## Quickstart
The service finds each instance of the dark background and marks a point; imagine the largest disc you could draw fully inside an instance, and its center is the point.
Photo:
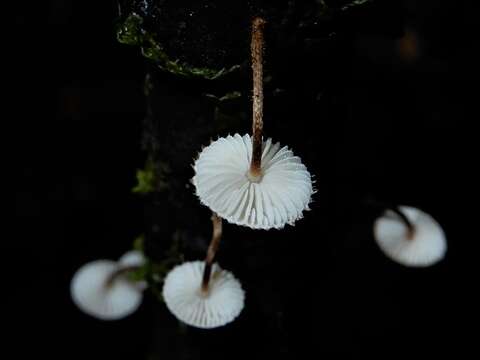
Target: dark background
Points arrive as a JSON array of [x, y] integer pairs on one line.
[[385, 124]]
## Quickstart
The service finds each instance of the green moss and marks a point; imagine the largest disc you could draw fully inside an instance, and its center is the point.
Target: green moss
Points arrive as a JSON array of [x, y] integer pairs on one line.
[[145, 179], [154, 272], [154, 177], [131, 32], [138, 243], [139, 274], [354, 3]]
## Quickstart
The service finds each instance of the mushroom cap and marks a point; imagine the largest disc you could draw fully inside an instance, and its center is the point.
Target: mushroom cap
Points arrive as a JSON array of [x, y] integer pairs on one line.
[[132, 258], [427, 246], [184, 297], [90, 291], [277, 198]]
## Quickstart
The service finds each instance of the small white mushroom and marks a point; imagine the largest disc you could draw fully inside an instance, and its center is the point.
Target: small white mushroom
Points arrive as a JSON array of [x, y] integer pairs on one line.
[[220, 304], [423, 244], [103, 290], [132, 258], [224, 183]]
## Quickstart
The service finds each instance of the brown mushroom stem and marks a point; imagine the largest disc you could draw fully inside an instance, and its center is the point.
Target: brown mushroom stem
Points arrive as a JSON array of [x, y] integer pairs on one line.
[[120, 272], [257, 67], [406, 221], [212, 251]]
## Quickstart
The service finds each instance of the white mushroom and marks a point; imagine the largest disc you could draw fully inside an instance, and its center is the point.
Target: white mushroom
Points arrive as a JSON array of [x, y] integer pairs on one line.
[[132, 258], [220, 304], [103, 290], [248, 181], [423, 244], [223, 183]]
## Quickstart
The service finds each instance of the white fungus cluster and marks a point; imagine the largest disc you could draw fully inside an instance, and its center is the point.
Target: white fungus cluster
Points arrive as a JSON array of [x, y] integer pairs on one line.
[[425, 247], [97, 294], [223, 183], [219, 305]]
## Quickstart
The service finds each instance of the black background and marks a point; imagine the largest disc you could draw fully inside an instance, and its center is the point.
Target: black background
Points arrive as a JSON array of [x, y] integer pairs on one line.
[[388, 129]]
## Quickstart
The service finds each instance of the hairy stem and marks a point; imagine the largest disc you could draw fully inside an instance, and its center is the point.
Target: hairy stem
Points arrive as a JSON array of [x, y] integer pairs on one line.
[[212, 250], [257, 43], [406, 221]]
